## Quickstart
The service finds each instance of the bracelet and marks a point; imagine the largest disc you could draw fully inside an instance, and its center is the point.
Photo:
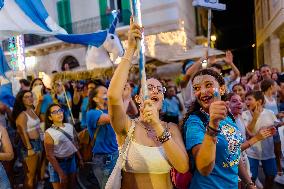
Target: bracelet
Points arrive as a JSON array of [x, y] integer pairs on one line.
[[249, 184], [213, 129], [164, 137], [211, 132]]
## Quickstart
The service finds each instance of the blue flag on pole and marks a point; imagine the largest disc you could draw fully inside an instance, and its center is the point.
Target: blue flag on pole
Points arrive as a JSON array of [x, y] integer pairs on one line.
[[3, 64], [6, 92]]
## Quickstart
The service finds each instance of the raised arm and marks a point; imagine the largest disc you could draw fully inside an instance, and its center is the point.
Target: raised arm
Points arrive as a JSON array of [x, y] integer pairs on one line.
[[229, 60], [251, 125], [205, 153], [118, 117], [190, 72]]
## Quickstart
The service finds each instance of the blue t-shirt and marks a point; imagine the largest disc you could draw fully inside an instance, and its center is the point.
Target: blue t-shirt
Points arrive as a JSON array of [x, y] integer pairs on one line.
[[171, 107], [225, 172], [106, 138], [47, 101], [84, 108]]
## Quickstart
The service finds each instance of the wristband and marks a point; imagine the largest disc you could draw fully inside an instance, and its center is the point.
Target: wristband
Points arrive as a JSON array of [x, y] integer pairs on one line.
[[211, 132], [164, 137], [213, 129]]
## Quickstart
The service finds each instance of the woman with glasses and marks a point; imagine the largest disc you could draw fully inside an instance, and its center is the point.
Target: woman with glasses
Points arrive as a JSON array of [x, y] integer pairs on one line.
[[60, 142], [105, 149], [155, 146], [28, 126]]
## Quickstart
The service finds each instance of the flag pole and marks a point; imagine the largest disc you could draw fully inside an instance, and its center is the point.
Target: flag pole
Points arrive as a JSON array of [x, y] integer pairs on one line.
[[209, 33], [136, 13]]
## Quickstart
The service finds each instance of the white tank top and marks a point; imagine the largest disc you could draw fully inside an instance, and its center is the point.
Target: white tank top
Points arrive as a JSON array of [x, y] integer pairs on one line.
[[32, 124], [146, 159], [63, 147]]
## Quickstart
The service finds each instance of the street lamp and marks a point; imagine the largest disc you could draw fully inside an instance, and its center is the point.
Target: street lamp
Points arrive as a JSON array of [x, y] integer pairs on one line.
[[213, 39]]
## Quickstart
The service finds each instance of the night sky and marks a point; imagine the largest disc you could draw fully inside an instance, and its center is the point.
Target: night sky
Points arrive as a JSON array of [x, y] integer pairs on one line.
[[235, 31]]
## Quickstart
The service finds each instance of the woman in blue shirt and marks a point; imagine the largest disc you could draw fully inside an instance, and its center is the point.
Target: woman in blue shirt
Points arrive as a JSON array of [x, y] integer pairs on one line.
[[212, 138], [105, 150]]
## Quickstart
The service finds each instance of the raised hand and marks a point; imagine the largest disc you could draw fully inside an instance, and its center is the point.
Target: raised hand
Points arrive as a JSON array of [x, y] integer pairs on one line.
[[218, 111], [134, 34], [150, 113], [257, 111], [265, 133], [229, 57]]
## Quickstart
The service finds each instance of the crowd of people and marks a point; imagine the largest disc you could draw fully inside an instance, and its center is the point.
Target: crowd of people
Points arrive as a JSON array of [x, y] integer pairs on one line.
[[206, 131]]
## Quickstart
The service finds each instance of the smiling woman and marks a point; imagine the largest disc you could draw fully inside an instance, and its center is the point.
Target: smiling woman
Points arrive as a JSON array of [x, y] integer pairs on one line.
[[207, 122]]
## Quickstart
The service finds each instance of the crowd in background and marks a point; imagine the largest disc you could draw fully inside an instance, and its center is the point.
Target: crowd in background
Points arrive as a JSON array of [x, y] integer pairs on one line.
[[44, 131]]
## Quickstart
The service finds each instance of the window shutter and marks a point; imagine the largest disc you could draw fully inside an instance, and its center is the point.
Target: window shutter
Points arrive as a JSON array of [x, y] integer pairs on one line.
[[104, 18], [64, 15]]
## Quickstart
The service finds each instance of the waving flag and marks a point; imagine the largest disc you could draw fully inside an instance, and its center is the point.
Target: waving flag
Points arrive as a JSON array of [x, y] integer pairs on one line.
[[30, 17], [3, 63], [6, 93]]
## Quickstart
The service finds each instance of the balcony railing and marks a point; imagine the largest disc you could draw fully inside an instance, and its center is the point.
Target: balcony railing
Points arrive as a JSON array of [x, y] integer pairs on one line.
[[83, 26]]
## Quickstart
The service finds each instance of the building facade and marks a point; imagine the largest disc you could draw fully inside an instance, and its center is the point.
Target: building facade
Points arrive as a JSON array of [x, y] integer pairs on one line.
[[269, 25], [170, 27]]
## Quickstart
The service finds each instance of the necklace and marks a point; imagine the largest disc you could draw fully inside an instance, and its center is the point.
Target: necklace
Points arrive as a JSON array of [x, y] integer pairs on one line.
[[150, 132]]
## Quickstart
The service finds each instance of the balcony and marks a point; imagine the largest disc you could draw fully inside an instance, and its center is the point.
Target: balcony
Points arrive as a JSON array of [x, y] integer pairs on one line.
[[83, 26]]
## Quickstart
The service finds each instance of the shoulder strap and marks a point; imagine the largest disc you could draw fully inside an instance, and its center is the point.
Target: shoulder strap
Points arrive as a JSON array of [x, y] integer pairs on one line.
[[93, 141], [127, 142], [64, 133]]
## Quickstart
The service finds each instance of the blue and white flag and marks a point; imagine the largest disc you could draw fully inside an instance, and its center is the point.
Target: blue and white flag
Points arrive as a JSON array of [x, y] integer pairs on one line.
[[30, 17], [6, 93], [4, 67]]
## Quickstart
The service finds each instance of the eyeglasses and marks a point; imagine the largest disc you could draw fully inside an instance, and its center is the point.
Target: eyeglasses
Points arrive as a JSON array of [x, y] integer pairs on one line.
[[59, 111], [160, 89]]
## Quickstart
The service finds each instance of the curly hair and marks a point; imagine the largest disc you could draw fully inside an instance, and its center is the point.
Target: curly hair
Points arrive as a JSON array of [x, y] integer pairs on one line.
[[195, 106], [19, 106]]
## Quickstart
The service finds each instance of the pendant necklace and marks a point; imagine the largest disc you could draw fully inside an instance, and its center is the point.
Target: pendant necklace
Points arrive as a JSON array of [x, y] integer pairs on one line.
[[150, 132]]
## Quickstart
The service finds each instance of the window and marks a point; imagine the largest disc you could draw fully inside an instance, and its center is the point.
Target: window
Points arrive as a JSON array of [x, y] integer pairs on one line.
[[106, 6], [71, 61]]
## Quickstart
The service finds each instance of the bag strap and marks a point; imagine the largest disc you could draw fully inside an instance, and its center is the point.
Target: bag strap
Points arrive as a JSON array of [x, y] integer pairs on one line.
[[93, 141], [127, 142], [64, 133]]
